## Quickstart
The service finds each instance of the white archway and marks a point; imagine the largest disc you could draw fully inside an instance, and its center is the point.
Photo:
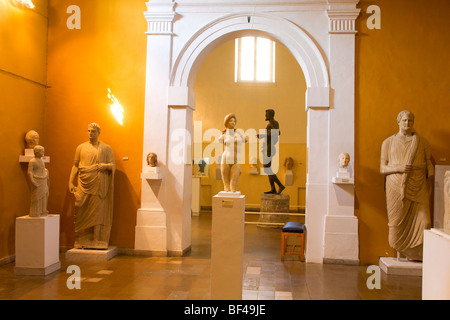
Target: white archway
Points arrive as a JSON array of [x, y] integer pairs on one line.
[[164, 219]]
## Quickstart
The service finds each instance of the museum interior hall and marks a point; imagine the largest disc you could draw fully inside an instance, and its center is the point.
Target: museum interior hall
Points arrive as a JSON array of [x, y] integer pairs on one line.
[[224, 150]]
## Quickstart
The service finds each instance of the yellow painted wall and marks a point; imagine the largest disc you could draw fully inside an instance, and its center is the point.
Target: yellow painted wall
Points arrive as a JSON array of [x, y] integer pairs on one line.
[[218, 95], [23, 53]]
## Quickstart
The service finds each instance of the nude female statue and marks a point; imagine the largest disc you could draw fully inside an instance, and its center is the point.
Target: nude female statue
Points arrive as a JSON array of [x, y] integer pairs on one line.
[[232, 140]]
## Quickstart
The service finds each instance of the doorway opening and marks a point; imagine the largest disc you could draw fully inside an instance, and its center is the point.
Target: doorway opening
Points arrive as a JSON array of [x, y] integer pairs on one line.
[[218, 93]]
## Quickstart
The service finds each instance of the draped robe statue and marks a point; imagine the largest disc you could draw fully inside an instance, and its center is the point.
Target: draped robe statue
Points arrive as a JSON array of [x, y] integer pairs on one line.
[[94, 166], [447, 201], [405, 160]]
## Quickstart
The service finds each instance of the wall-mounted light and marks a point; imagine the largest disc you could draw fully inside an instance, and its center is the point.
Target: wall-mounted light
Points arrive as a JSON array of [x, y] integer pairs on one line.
[[116, 107], [27, 3]]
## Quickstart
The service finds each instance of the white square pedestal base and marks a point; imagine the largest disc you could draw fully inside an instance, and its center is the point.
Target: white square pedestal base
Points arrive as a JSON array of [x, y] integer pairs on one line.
[[37, 245], [392, 266], [227, 246], [92, 254]]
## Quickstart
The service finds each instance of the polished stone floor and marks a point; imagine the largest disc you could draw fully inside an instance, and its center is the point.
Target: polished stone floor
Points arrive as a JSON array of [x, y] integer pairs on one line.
[[127, 277]]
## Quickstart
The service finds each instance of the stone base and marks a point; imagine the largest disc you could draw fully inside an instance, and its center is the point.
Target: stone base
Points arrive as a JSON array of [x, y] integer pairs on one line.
[[227, 247], [273, 204], [23, 271], [92, 254], [37, 245], [392, 266]]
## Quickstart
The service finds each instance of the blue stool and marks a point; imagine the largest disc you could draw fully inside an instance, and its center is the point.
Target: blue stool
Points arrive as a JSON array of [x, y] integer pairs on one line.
[[293, 229]]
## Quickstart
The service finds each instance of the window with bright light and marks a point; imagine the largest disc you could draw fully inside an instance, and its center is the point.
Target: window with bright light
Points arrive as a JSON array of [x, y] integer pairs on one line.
[[255, 60]]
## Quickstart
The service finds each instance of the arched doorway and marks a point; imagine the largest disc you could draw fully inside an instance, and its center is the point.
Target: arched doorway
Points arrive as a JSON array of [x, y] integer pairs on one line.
[[170, 102]]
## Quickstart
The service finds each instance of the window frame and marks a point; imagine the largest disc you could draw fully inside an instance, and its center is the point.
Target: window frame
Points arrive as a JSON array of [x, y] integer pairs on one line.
[[238, 62]]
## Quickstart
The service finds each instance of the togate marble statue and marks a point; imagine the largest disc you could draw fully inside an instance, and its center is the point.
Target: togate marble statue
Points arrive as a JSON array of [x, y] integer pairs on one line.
[[230, 167], [93, 169], [406, 163], [39, 182], [447, 201]]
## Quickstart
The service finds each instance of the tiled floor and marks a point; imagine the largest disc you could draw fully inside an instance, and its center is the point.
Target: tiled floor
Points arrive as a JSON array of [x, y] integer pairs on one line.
[[188, 278]]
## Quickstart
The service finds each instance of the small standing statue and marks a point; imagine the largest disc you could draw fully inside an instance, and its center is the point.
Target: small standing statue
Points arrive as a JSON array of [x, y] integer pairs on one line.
[[40, 183], [406, 163], [269, 151], [94, 168], [232, 139]]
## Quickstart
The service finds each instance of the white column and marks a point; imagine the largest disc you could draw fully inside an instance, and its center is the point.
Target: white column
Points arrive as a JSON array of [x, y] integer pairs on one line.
[[341, 243], [151, 228]]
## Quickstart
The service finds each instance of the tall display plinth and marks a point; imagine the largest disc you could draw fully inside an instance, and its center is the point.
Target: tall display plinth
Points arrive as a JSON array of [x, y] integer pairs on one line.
[[436, 265], [91, 254], [37, 245], [400, 267], [227, 246]]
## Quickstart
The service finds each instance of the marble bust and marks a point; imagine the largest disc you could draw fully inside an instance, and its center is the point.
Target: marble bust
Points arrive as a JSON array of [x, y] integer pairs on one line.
[[152, 159], [92, 184], [39, 184], [343, 171], [447, 201], [289, 163]]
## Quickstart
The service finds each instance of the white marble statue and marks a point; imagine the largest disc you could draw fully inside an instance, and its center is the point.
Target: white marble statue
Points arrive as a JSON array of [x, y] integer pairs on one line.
[[94, 169], [344, 160], [152, 159], [232, 139], [40, 183], [405, 161], [447, 201]]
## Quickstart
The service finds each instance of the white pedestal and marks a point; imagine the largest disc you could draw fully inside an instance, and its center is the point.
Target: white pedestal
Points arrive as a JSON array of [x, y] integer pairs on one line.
[[227, 246], [195, 196], [152, 175], [37, 245], [436, 265], [151, 233], [393, 266], [91, 254]]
